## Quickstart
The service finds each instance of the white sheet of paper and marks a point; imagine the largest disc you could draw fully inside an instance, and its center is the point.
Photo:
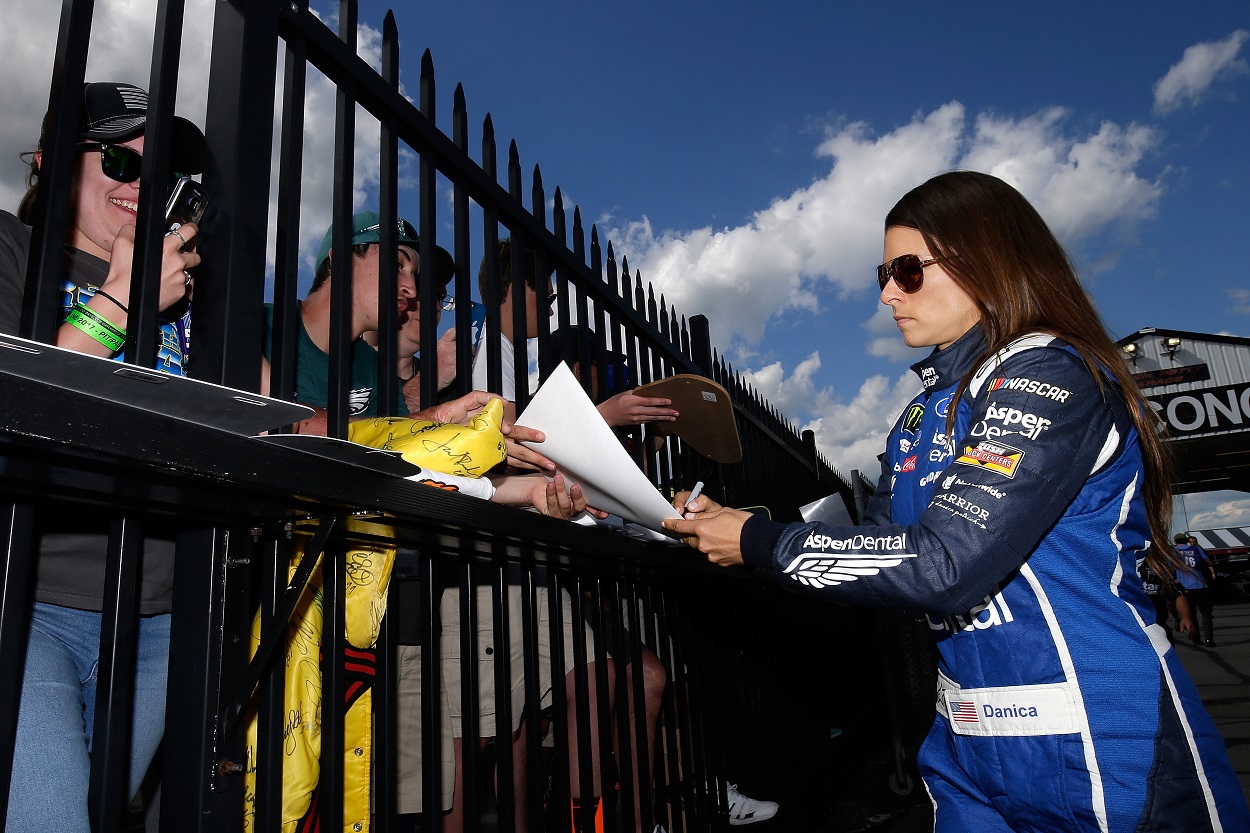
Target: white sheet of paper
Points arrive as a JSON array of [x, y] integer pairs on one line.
[[586, 451]]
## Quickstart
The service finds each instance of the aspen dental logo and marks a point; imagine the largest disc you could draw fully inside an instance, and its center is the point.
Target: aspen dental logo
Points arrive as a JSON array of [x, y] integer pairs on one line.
[[995, 457], [866, 555], [855, 543]]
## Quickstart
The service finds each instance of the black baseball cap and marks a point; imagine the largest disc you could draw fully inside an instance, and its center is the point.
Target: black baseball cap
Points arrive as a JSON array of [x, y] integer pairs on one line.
[[117, 112]]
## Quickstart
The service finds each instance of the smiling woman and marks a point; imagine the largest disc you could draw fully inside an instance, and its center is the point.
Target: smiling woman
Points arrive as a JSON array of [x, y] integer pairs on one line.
[[48, 790], [1018, 493]]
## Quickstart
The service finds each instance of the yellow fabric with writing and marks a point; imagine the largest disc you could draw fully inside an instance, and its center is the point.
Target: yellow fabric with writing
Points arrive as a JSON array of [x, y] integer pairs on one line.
[[452, 449], [469, 451]]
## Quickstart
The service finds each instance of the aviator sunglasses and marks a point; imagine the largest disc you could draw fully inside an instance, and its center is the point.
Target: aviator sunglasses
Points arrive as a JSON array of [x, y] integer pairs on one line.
[[906, 270], [118, 163]]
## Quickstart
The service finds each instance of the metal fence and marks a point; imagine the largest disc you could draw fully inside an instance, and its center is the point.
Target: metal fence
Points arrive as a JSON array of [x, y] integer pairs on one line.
[[249, 519]]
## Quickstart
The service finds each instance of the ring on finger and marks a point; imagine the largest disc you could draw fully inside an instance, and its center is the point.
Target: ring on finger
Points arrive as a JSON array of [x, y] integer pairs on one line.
[[186, 275], [175, 233]]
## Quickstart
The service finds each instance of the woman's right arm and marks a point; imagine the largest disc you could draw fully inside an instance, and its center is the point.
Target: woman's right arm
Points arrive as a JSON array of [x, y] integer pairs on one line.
[[175, 286]]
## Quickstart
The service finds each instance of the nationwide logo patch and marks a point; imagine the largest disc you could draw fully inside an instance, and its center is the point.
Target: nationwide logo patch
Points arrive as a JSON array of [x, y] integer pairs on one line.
[[996, 457]]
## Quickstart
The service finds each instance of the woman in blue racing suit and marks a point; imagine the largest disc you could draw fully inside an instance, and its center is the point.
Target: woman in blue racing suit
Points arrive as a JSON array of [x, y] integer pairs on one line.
[[1019, 492]]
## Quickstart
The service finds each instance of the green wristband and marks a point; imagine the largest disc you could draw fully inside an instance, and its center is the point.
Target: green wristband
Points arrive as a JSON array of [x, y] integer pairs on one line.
[[92, 315], [91, 328]]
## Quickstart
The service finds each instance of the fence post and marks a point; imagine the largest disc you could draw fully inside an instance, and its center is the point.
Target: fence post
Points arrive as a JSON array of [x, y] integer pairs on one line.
[[194, 796], [701, 343], [238, 129]]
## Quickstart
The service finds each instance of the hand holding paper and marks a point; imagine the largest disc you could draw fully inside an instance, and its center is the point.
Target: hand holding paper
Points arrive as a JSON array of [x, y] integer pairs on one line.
[[585, 449]]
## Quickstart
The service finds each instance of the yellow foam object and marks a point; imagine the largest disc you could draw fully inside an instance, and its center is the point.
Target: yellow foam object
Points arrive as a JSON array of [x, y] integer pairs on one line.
[[466, 450]]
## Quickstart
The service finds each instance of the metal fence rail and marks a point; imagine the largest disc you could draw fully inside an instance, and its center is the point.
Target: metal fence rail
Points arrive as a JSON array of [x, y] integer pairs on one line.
[[250, 517]]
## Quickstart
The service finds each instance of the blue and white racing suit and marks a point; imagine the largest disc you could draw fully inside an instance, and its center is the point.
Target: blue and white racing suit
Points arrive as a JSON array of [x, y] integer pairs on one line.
[[1061, 705]]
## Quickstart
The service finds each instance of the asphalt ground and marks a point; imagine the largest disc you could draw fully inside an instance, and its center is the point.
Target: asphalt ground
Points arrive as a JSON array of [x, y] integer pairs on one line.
[[1222, 674]]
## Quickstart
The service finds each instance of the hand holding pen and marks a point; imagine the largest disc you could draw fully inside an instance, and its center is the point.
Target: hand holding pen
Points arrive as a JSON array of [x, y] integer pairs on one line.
[[708, 527], [693, 504]]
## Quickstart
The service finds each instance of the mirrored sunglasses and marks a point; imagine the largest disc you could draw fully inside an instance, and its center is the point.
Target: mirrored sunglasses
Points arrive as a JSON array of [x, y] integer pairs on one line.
[[905, 270], [120, 164]]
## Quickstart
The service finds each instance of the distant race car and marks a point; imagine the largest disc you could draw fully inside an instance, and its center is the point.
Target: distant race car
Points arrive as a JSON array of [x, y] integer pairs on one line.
[[1234, 582], [1239, 583]]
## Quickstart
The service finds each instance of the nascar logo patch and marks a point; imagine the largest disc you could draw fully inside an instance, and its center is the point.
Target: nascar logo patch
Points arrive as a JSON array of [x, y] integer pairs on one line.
[[998, 458]]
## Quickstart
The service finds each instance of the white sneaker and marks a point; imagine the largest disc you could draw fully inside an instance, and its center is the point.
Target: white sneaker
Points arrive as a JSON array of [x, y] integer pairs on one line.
[[744, 810]]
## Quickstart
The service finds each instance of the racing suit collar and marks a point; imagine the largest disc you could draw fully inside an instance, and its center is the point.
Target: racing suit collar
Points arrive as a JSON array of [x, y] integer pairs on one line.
[[943, 368]]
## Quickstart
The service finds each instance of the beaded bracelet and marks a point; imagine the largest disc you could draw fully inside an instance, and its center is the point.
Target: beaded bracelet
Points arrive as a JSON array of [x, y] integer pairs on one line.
[[92, 315], [116, 302], [93, 329]]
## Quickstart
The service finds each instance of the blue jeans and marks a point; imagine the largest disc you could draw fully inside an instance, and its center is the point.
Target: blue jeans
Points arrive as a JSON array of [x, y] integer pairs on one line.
[[52, 754]]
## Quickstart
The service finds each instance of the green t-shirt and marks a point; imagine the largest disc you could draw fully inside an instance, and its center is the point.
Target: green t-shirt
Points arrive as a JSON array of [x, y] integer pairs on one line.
[[312, 372]]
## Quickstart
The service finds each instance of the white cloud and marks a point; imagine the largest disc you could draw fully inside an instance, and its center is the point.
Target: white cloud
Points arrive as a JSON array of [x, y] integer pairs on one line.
[[1241, 300], [849, 434], [1080, 185], [813, 246], [1188, 80], [802, 245], [1211, 510]]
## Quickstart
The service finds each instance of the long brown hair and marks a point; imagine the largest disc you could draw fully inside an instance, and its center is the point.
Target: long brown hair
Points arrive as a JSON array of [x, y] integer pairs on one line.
[[26, 208], [999, 250]]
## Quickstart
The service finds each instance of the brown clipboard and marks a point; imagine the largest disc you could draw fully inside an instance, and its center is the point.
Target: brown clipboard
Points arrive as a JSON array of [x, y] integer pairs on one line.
[[707, 421]]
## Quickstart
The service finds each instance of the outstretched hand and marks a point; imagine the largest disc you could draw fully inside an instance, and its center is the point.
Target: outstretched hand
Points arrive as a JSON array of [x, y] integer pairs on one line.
[[521, 456], [553, 497], [558, 500], [631, 409], [459, 411]]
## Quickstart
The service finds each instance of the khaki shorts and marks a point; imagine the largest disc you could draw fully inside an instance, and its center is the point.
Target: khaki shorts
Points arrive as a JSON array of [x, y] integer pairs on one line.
[[450, 646], [409, 707]]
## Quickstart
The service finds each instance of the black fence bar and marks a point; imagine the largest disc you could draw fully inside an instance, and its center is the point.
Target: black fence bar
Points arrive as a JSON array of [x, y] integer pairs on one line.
[[272, 570], [194, 796], [114, 704], [16, 532], [229, 289]]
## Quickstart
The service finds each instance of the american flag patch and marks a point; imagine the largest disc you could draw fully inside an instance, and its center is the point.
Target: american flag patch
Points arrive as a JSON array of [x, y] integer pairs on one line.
[[964, 712]]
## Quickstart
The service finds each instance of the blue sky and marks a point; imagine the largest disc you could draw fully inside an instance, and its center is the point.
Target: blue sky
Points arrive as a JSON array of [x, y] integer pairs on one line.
[[743, 154]]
